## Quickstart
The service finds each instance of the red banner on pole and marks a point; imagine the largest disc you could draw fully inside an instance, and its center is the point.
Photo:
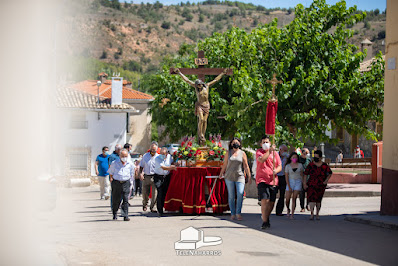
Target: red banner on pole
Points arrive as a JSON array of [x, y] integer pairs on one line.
[[270, 118]]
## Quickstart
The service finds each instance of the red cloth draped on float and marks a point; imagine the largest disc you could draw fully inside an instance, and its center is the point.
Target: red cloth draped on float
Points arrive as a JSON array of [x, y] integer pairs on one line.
[[186, 190], [270, 118]]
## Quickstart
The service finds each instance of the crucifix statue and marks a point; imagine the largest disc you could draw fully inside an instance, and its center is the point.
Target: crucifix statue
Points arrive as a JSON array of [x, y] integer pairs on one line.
[[202, 105]]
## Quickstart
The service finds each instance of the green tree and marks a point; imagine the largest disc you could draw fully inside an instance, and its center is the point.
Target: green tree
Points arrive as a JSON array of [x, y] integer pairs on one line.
[[312, 56]]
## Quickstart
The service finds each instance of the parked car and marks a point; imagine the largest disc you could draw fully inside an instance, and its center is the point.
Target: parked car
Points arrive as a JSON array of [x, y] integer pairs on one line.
[[135, 157], [171, 148]]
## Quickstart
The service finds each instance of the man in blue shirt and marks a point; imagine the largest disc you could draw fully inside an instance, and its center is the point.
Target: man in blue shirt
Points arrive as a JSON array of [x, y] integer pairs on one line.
[[101, 170], [115, 155], [120, 172]]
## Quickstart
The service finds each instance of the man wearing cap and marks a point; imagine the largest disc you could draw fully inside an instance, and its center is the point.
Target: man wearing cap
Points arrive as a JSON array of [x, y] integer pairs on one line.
[[120, 173], [147, 174]]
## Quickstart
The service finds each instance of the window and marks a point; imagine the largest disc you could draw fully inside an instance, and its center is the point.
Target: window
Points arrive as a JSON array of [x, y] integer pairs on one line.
[[78, 121], [78, 161]]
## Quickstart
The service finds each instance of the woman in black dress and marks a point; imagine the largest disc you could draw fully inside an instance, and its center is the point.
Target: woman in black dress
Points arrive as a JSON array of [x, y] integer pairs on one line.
[[319, 174]]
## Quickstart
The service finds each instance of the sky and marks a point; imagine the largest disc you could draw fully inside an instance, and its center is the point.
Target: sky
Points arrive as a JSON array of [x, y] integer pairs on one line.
[[361, 4]]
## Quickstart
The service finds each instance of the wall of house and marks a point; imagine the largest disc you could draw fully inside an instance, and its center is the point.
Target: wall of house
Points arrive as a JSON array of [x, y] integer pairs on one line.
[[108, 130], [389, 195], [139, 134]]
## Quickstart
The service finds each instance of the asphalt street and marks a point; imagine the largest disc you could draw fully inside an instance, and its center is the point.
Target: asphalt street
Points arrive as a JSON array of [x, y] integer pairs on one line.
[[80, 231]]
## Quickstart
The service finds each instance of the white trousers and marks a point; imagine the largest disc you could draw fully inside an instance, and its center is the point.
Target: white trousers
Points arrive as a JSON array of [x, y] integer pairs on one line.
[[104, 184]]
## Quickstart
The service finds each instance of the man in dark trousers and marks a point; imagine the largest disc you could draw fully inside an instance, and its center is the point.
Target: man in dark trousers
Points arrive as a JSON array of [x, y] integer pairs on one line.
[[120, 172], [163, 166], [283, 154]]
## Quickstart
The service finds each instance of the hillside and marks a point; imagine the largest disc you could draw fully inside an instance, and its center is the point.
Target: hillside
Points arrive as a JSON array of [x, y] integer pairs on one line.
[[137, 36]]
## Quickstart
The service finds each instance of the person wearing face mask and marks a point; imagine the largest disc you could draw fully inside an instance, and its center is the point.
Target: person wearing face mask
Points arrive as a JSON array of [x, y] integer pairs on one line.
[[294, 182], [268, 165], [147, 174], [358, 153], [305, 161], [235, 176], [120, 173], [283, 154], [319, 174], [163, 166], [129, 147], [101, 170]]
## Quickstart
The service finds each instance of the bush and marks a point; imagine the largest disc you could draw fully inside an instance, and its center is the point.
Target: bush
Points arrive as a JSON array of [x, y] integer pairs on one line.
[[104, 55], [166, 25], [381, 35], [201, 18], [132, 66]]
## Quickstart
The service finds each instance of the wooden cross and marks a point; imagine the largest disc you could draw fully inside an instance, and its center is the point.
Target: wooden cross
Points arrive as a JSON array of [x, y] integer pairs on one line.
[[201, 71], [273, 82]]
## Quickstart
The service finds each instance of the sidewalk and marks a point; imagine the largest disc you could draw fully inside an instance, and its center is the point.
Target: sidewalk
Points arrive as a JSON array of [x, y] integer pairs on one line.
[[353, 190], [389, 222]]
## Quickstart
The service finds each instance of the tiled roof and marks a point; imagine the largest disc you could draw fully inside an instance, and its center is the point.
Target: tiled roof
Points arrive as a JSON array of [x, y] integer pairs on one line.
[[366, 65], [105, 90], [72, 98]]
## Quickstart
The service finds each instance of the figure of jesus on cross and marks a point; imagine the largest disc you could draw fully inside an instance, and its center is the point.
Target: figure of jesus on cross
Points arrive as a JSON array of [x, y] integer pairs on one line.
[[202, 106]]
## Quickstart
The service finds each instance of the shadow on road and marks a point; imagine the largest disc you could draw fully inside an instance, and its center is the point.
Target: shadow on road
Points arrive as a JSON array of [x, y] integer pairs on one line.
[[330, 233]]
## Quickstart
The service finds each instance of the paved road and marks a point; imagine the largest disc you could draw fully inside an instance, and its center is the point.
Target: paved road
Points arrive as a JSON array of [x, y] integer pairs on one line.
[[81, 232]]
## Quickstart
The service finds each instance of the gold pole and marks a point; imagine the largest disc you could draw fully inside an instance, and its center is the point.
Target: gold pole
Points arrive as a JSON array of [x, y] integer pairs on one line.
[[273, 161]]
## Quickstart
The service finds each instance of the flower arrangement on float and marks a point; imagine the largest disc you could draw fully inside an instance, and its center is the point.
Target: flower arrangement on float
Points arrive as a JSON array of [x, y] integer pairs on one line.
[[216, 152], [190, 154]]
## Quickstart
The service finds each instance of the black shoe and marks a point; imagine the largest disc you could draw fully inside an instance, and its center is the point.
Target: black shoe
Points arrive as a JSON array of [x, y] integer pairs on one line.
[[280, 214], [114, 217], [264, 225], [126, 219], [160, 214]]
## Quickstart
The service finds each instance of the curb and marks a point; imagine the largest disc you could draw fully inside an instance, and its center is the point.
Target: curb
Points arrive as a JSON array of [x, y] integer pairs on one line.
[[352, 193], [371, 222]]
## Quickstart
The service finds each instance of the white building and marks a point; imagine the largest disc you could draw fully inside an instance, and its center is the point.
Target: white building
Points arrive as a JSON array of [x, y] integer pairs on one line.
[[86, 123], [139, 123]]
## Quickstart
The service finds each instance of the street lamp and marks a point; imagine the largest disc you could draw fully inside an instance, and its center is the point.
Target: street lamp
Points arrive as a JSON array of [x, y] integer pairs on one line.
[[98, 85]]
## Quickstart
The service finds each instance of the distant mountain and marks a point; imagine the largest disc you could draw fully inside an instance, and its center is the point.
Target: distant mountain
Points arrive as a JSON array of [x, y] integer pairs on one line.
[[137, 36]]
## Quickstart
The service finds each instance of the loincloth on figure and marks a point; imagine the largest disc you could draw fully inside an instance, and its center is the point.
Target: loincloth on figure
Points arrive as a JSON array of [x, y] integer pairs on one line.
[[201, 107]]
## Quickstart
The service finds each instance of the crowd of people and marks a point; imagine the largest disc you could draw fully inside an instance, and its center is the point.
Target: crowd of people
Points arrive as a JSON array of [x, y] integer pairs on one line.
[[293, 175], [119, 177]]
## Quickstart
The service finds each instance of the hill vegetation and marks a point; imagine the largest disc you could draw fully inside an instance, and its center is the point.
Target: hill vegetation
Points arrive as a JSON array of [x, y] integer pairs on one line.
[[136, 37]]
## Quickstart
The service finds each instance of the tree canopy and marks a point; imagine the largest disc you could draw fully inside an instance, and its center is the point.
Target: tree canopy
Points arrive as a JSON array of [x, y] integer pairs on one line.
[[322, 85]]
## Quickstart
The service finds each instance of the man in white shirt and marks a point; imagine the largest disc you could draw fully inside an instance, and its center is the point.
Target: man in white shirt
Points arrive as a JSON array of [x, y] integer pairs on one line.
[[163, 166], [147, 173], [120, 172]]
